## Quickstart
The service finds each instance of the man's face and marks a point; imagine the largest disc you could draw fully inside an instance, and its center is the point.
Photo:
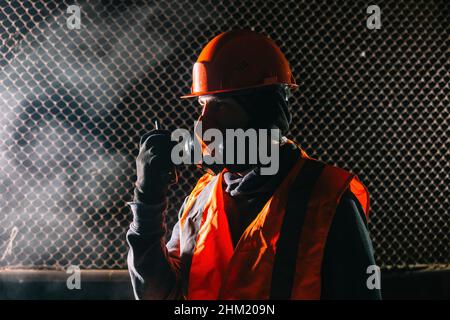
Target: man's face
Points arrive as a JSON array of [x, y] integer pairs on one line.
[[222, 113]]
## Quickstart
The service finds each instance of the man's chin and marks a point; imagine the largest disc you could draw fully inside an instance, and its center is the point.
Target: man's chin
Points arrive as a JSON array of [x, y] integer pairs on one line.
[[240, 168], [234, 168]]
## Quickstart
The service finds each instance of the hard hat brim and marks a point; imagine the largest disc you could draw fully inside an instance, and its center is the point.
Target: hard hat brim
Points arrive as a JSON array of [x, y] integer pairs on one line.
[[205, 93]]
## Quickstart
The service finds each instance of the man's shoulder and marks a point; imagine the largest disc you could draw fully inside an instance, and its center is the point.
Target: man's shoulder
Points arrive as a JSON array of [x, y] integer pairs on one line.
[[329, 178], [336, 183], [198, 196]]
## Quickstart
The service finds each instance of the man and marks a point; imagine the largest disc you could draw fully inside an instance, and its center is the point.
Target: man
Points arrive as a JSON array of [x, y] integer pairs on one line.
[[300, 233]]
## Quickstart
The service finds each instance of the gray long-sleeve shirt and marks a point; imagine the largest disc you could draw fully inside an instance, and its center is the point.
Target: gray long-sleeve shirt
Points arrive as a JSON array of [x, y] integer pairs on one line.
[[155, 266]]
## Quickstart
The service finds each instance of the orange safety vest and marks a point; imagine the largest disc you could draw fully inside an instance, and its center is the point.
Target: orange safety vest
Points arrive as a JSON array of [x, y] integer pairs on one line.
[[279, 255]]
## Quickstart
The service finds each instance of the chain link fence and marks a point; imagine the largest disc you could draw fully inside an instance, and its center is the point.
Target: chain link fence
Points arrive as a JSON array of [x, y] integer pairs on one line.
[[74, 103]]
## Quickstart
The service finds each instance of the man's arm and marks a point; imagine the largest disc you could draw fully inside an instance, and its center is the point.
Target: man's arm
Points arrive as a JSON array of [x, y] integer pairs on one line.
[[348, 253], [154, 267]]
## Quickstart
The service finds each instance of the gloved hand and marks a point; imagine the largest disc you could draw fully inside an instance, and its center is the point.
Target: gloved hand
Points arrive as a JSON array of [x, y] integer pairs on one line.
[[154, 167]]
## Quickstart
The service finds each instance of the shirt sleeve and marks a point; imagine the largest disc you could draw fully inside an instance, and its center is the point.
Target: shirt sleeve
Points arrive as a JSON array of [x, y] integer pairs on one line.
[[154, 266], [348, 254]]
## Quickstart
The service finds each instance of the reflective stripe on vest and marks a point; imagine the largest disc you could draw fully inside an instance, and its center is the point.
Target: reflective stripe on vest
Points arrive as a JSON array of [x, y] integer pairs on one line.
[[286, 258], [279, 255]]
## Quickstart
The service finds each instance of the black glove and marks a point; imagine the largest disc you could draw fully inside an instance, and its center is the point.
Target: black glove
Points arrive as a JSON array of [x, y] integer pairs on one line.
[[154, 167]]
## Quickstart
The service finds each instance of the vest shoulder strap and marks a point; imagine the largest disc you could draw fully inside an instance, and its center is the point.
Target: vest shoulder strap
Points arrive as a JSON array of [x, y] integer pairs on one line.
[[312, 202], [201, 184], [287, 245]]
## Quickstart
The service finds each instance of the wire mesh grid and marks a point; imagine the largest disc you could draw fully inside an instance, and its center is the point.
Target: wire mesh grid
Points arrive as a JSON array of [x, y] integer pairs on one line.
[[74, 104]]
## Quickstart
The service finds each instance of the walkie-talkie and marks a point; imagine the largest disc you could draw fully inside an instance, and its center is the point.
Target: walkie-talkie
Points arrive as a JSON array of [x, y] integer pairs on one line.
[[172, 174]]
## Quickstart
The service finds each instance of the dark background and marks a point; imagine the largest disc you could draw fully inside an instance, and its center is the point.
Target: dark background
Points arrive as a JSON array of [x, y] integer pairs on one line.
[[74, 103]]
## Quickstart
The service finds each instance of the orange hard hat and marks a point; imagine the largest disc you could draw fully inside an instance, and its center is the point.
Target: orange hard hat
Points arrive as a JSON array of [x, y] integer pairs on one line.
[[239, 59]]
